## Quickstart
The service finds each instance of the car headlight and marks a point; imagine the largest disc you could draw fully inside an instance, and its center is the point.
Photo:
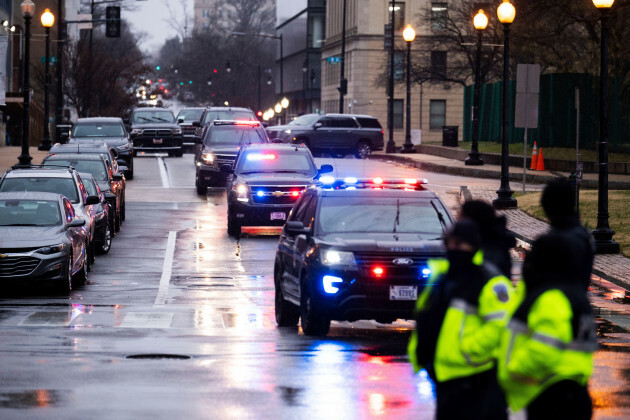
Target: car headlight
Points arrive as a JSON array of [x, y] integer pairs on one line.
[[208, 158], [53, 249], [123, 147], [177, 131], [332, 257], [136, 131], [241, 190]]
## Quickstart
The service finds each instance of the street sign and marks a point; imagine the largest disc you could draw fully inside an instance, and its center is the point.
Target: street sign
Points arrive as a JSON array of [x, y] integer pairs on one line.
[[333, 60], [51, 59]]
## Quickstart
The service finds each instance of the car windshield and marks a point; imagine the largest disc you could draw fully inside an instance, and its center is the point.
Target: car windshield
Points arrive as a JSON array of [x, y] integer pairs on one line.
[[65, 186], [305, 120], [382, 215], [98, 130], [143, 117], [29, 213], [190, 114], [235, 134], [229, 115], [274, 161], [90, 187], [95, 167]]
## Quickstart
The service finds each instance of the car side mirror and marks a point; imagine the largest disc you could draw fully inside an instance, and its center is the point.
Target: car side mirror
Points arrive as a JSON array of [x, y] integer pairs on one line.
[[226, 169], [180, 120], [76, 222], [317, 125], [296, 227], [325, 169], [92, 199]]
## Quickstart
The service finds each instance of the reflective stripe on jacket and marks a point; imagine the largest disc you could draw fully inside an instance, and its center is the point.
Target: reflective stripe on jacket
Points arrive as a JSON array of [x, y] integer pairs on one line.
[[550, 347]]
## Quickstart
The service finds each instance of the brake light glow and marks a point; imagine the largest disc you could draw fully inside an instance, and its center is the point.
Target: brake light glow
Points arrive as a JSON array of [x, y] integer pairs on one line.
[[261, 156], [378, 180], [252, 123], [378, 271]]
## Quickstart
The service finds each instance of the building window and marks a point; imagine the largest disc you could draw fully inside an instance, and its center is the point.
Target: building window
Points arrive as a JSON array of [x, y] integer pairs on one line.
[[437, 114], [203, 14], [399, 65], [439, 14], [399, 15], [398, 113], [438, 63]]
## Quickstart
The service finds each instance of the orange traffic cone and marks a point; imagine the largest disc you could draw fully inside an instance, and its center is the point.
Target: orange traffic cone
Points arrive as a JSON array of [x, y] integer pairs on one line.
[[534, 157], [540, 162]]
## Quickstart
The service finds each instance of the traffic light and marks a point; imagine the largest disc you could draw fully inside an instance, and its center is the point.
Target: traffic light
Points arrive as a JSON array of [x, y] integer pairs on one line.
[[112, 26], [157, 68]]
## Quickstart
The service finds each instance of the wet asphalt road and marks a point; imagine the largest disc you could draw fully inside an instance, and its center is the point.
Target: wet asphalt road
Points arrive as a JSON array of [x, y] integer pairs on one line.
[[178, 321]]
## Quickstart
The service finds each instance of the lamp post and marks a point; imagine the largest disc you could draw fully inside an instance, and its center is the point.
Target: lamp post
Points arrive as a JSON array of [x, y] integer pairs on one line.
[[391, 145], [304, 82], [48, 19], [28, 9], [408, 35], [504, 200], [284, 103], [604, 243], [480, 22], [59, 71]]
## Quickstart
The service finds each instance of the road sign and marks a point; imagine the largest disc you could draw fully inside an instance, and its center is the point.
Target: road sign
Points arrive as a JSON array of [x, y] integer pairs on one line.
[[51, 59], [333, 60], [527, 88]]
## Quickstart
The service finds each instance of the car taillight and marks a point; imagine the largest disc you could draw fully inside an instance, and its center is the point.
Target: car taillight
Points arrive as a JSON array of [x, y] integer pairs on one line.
[[378, 271]]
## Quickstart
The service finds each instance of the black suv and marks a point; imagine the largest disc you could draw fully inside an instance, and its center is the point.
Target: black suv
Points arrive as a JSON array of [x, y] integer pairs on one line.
[[349, 254], [155, 130], [265, 183], [219, 146], [189, 120], [109, 130], [338, 134]]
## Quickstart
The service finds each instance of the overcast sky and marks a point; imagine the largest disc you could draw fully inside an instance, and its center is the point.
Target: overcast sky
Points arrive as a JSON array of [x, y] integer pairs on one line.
[[152, 18]]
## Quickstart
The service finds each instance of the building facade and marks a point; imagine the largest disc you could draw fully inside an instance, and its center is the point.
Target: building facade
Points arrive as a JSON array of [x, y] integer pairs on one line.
[[433, 104]]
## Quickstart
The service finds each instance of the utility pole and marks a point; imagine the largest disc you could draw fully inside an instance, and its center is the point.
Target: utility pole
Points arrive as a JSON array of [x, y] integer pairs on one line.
[[391, 146], [343, 82]]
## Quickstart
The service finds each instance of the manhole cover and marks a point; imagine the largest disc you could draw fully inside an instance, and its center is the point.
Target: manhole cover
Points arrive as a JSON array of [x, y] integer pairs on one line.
[[158, 356]]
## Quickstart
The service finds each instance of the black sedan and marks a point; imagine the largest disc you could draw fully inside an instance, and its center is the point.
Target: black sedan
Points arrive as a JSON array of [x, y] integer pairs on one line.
[[42, 240]]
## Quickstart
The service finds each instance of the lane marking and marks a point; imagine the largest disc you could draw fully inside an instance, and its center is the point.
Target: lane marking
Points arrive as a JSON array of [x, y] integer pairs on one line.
[[167, 269], [163, 173]]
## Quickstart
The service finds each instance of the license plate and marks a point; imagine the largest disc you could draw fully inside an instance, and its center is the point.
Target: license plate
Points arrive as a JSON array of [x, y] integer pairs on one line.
[[157, 141], [403, 292], [278, 215]]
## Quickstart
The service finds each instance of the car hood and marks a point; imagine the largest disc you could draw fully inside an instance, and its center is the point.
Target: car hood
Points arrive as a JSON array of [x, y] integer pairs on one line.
[[110, 141], [173, 126], [30, 236], [223, 149], [277, 179], [386, 242]]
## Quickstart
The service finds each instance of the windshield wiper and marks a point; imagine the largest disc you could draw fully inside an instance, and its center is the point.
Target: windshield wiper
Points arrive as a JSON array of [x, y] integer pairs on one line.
[[161, 119], [145, 118], [440, 216], [397, 219]]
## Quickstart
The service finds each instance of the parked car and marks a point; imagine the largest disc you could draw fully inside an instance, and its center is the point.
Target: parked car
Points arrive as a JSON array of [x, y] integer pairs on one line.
[[66, 181], [104, 228], [338, 134], [219, 147], [108, 130], [155, 130], [42, 240]]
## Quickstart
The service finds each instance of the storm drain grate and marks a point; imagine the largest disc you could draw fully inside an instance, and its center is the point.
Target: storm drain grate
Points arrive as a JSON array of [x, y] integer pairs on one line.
[[158, 356]]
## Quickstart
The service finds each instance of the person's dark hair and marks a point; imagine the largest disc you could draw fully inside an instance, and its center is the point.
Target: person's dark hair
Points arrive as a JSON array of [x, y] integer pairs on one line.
[[558, 199], [466, 231], [480, 212]]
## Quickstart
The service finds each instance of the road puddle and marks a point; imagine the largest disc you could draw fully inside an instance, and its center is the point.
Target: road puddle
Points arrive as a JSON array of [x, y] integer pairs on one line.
[[37, 398]]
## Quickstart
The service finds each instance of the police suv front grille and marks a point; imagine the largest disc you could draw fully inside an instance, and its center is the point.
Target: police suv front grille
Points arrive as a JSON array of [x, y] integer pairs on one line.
[[17, 266], [398, 265], [271, 194], [157, 133]]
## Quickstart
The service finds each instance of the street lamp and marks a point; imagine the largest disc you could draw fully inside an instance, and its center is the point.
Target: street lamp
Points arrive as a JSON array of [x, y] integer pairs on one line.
[[228, 67], [304, 83], [284, 103], [391, 145], [48, 19], [604, 243], [408, 35], [480, 22], [28, 9], [504, 200]]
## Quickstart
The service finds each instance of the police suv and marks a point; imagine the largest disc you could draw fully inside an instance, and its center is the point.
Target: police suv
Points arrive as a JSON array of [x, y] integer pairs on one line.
[[357, 249]]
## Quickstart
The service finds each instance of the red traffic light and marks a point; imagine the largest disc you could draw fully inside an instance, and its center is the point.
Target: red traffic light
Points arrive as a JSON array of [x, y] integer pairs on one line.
[[259, 113]]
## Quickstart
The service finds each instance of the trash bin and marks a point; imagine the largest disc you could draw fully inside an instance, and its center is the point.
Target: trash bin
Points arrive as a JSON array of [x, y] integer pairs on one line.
[[449, 135]]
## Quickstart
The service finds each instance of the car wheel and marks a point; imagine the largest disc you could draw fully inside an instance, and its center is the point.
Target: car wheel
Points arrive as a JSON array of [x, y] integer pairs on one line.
[[313, 320], [107, 241], [81, 277], [287, 314], [363, 150], [65, 284]]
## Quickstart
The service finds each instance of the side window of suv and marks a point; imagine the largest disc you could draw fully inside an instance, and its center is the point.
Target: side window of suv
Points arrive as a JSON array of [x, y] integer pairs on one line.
[[342, 122]]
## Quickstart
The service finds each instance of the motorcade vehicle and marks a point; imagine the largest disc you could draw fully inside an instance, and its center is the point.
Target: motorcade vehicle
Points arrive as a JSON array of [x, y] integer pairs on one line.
[[59, 180], [103, 229], [266, 182], [110, 183], [357, 249], [42, 240], [189, 119], [108, 130], [219, 147], [155, 130], [224, 113], [337, 134]]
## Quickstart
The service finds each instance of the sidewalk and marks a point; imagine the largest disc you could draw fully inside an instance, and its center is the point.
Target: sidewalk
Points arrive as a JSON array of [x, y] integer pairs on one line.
[[9, 156], [613, 268]]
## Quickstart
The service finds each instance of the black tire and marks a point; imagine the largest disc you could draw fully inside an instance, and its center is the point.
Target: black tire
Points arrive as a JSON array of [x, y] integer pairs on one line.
[[287, 314], [363, 150], [81, 276], [314, 321], [129, 174], [65, 284], [107, 242], [233, 227]]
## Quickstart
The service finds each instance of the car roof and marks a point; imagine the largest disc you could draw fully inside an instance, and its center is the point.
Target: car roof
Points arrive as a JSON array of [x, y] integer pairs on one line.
[[151, 108], [275, 146], [75, 156], [77, 148], [99, 119], [369, 192], [191, 107], [29, 195], [43, 172], [227, 108], [350, 115]]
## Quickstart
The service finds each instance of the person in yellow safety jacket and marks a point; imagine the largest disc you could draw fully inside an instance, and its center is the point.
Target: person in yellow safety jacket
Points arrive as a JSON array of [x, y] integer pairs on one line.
[[546, 355], [475, 300]]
